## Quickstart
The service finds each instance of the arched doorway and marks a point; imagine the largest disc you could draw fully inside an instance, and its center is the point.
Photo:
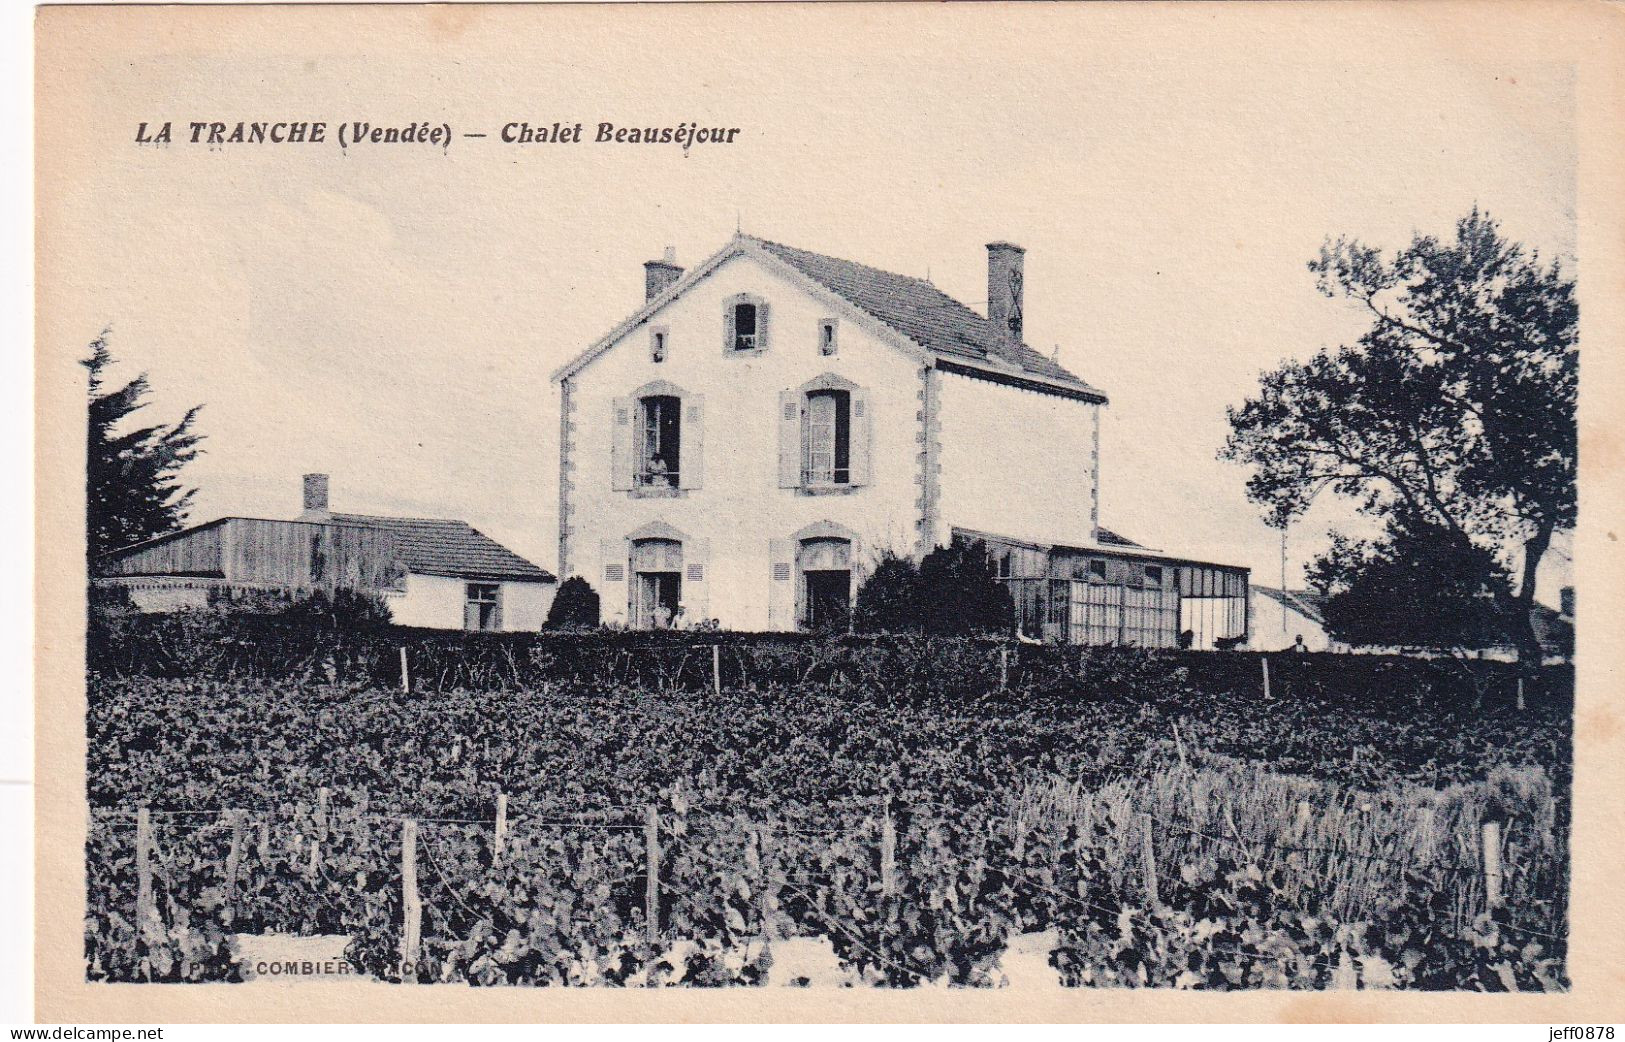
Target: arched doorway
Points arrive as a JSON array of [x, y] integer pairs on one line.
[[824, 583], [657, 582]]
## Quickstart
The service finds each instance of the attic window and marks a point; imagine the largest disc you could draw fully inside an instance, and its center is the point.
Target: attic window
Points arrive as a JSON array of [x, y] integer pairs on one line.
[[1153, 575], [744, 327], [826, 336], [657, 346], [1097, 570]]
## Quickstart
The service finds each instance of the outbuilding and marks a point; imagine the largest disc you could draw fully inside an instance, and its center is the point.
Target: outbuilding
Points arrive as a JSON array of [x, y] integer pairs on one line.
[[431, 572]]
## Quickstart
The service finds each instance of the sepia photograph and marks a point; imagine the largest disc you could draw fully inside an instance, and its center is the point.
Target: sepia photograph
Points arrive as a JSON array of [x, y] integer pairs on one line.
[[889, 511]]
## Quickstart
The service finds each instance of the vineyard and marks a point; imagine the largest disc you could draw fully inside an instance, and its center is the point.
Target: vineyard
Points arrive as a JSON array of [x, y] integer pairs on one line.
[[615, 811]]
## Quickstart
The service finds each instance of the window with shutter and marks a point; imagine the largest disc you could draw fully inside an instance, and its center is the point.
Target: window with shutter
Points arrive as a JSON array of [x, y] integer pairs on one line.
[[744, 323], [659, 442], [827, 439], [744, 327]]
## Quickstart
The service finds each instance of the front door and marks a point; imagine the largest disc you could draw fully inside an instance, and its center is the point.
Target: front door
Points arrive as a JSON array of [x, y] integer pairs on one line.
[[829, 599], [659, 594], [825, 593]]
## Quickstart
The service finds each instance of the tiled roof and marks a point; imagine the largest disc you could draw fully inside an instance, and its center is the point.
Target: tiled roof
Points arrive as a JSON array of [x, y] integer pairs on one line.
[[431, 546], [925, 314]]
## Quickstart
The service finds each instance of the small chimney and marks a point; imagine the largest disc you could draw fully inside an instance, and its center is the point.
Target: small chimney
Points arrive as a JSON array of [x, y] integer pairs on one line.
[[315, 498], [1004, 299], [659, 274]]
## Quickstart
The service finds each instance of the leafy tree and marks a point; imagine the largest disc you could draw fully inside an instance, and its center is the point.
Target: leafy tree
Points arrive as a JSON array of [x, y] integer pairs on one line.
[[1422, 585], [954, 591], [574, 606], [960, 593], [132, 486], [1457, 405], [889, 599]]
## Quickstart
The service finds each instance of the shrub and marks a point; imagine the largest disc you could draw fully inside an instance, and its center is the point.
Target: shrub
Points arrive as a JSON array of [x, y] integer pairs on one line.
[[575, 606], [889, 599], [960, 593], [109, 599], [344, 610]]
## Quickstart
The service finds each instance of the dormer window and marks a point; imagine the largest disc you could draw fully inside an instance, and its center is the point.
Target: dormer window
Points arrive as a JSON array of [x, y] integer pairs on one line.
[[744, 327], [657, 346], [826, 337]]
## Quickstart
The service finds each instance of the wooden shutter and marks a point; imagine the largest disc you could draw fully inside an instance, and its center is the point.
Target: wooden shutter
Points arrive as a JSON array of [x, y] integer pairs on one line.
[[622, 442], [691, 443], [761, 325], [781, 578], [789, 439], [696, 592], [728, 326], [859, 438]]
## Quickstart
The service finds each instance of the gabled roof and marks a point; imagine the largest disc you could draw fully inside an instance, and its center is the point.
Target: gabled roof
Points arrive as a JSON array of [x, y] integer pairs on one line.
[[923, 313], [432, 546], [427, 546], [913, 309]]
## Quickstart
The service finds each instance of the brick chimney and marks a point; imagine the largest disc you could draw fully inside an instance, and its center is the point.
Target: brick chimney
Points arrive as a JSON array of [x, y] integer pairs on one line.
[[659, 274], [315, 498], [1004, 297]]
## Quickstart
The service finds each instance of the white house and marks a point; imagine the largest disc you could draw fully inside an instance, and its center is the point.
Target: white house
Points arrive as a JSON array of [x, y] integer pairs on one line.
[[431, 572], [1281, 617], [749, 440]]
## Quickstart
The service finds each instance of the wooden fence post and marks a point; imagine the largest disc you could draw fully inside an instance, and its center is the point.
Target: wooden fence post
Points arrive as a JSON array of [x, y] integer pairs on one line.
[[888, 850], [1004, 668], [764, 851], [1520, 694], [411, 902], [233, 860], [1426, 830], [150, 928], [1492, 865], [406, 677], [1179, 745], [502, 828], [1265, 663], [1149, 851], [716, 668], [651, 890]]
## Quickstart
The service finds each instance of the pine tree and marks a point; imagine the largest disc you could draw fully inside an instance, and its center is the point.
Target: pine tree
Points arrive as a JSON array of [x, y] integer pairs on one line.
[[132, 486]]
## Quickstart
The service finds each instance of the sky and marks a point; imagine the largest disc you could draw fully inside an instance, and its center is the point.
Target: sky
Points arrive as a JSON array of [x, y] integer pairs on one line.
[[390, 315]]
